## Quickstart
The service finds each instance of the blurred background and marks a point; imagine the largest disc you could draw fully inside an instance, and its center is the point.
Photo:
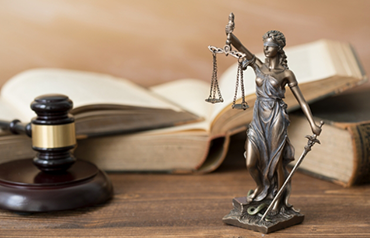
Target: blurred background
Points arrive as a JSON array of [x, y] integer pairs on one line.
[[152, 42]]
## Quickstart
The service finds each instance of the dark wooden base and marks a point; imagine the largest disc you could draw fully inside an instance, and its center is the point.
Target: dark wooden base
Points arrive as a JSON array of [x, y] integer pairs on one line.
[[240, 218], [24, 188]]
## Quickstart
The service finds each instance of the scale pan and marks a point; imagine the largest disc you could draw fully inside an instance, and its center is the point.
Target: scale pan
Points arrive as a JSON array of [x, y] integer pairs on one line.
[[214, 100], [241, 106]]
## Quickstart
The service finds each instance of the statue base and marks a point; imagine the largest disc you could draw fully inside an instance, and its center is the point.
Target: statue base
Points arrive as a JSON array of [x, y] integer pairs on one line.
[[240, 217], [24, 188]]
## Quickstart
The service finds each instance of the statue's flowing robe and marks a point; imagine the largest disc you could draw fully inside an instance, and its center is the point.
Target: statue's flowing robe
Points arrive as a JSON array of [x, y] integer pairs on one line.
[[268, 133]]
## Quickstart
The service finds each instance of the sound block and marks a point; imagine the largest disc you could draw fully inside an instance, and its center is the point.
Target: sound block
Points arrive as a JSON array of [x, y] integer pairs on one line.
[[24, 188], [239, 217]]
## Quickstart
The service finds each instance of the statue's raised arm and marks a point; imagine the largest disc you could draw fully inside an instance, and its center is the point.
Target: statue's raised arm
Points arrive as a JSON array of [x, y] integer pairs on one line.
[[232, 40]]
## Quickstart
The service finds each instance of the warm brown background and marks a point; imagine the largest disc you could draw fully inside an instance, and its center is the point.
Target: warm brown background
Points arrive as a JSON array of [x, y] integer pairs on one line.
[[151, 42]]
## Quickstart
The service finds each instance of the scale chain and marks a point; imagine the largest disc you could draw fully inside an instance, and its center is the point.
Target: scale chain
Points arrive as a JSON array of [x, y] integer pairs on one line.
[[242, 81], [218, 90], [216, 85], [236, 85], [214, 74]]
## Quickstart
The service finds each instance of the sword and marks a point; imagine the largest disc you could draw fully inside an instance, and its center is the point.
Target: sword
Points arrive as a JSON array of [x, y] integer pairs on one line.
[[311, 141]]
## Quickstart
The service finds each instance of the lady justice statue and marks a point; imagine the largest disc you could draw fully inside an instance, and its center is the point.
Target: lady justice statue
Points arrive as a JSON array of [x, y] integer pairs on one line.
[[268, 149]]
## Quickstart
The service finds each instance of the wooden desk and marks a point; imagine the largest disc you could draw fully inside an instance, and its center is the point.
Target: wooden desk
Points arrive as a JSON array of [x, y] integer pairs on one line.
[[163, 205]]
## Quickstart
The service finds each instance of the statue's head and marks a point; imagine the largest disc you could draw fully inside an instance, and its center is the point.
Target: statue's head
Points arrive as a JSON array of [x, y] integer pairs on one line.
[[274, 37], [274, 42]]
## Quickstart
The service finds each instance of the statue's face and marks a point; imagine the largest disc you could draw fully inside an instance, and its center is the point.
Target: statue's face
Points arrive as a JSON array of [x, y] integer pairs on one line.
[[270, 48]]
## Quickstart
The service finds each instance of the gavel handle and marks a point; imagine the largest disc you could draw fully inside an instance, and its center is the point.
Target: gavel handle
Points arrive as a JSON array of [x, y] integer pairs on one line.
[[16, 127]]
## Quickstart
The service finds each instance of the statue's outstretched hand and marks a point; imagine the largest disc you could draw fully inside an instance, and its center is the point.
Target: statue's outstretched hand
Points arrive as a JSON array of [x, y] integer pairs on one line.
[[230, 25], [229, 29]]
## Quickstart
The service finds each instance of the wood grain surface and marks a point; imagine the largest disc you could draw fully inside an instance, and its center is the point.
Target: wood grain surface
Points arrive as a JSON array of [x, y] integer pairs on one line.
[[163, 205]]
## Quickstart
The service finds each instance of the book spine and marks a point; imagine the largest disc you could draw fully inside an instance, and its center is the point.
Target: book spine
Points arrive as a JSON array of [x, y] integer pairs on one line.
[[361, 145]]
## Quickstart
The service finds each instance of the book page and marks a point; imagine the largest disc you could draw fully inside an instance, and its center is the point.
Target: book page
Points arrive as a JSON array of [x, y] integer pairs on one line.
[[8, 113], [309, 62], [189, 94], [83, 88]]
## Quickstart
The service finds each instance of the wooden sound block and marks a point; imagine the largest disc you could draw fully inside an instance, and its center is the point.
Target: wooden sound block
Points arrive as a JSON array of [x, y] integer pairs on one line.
[[24, 188]]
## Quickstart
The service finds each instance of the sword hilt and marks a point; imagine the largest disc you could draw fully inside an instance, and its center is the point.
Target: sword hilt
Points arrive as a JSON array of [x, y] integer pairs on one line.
[[313, 139]]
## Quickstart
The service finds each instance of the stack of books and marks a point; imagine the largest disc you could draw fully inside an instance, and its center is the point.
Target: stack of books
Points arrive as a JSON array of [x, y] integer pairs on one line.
[[170, 128]]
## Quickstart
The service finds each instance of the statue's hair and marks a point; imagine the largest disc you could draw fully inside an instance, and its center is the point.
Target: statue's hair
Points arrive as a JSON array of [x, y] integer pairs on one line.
[[279, 39]]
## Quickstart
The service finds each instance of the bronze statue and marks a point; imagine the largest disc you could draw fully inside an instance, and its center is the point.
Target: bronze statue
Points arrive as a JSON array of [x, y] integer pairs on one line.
[[268, 149]]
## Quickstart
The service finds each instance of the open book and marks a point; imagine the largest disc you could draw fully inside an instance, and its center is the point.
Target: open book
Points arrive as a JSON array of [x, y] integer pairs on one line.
[[322, 68], [102, 104]]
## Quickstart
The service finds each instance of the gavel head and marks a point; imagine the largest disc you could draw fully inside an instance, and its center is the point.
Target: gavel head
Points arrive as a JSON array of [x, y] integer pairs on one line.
[[53, 132]]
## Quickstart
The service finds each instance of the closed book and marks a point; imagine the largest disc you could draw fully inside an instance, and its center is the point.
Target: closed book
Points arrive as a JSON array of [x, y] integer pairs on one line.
[[344, 154]]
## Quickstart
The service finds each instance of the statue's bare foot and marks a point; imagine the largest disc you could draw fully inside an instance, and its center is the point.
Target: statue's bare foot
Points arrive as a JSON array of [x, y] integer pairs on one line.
[[253, 193], [275, 209]]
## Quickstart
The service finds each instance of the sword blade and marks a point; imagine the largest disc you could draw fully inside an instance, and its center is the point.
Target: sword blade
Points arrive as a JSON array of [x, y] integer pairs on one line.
[[286, 182], [311, 141]]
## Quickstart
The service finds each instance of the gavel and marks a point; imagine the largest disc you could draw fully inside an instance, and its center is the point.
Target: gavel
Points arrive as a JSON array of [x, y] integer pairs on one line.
[[52, 132], [54, 179]]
